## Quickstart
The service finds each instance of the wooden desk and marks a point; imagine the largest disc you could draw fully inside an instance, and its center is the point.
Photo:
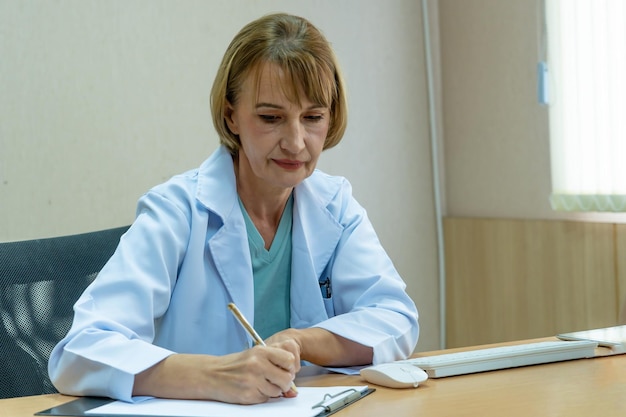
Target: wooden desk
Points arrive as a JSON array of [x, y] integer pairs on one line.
[[584, 387]]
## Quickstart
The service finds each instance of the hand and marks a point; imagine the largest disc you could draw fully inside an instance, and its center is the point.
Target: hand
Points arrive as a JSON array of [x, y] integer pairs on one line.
[[248, 377], [257, 374]]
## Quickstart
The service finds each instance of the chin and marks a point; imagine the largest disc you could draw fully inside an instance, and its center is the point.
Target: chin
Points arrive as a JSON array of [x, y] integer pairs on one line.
[[292, 179]]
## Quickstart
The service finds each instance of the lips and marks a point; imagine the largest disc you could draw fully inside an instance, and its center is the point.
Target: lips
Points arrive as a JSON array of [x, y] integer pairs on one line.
[[288, 164]]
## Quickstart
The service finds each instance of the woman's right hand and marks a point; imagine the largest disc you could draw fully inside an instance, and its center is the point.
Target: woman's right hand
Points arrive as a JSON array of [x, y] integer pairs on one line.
[[249, 377]]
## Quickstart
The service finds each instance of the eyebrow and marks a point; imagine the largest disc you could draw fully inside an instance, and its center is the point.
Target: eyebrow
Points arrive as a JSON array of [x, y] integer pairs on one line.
[[276, 106]]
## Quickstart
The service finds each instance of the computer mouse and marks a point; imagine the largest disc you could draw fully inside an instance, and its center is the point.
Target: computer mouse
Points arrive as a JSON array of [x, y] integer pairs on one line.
[[394, 375]]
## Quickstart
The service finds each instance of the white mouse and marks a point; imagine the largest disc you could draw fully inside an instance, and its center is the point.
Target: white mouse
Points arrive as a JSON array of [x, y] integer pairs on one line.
[[394, 375]]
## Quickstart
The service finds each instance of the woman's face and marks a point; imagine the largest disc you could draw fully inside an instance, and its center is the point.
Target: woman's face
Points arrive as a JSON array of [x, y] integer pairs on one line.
[[281, 141]]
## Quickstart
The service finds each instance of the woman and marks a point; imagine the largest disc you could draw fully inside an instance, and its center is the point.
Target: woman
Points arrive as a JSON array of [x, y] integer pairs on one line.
[[255, 225]]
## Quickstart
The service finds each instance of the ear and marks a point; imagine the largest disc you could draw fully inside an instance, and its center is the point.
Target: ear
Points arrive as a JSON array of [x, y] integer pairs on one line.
[[231, 120]]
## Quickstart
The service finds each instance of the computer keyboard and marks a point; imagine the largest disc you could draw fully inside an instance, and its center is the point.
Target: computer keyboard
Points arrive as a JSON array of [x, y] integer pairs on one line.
[[502, 357]]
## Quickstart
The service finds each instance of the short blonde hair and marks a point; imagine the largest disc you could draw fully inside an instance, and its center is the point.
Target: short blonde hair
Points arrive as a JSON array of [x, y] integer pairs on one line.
[[301, 51]]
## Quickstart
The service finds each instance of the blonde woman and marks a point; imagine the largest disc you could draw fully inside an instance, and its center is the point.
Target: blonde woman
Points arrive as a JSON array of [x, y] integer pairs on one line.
[[257, 225]]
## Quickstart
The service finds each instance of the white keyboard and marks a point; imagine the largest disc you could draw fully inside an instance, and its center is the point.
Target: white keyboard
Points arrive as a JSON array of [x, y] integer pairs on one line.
[[502, 357]]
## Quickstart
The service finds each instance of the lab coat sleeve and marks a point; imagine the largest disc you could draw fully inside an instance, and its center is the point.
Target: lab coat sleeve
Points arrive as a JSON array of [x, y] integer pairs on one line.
[[368, 295], [114, 323]]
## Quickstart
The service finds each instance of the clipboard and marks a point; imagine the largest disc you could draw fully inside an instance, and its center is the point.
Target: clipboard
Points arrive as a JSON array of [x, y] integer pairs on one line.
[[328, 405]]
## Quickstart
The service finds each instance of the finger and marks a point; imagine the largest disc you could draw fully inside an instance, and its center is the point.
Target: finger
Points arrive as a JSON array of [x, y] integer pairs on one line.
[[284, 360], [293, 347], [281, 379], [270, 390], [258, 389], [291, 393], [273, 366], [288, 344]]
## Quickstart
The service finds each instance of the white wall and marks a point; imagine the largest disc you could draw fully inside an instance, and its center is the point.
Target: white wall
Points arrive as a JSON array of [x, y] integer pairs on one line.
[[100, 100]]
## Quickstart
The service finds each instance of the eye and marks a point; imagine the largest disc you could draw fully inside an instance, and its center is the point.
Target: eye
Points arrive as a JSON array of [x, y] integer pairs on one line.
[[269, 118], [314, 117]]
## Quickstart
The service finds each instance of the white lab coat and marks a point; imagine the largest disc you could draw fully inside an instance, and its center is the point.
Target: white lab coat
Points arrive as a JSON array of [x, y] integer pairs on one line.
[[186, 257]]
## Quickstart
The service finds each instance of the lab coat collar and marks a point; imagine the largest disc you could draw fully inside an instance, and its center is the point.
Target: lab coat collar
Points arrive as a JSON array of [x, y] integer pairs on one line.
[[217, 191], [314, 238], [315, 235], [217, 175]]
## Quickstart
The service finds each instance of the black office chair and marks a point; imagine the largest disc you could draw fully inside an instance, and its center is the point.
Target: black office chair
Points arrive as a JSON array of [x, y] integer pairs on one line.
[[40, 280]]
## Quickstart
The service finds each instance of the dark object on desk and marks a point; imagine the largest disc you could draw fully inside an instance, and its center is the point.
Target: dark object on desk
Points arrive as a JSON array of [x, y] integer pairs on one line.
[[40, 280]]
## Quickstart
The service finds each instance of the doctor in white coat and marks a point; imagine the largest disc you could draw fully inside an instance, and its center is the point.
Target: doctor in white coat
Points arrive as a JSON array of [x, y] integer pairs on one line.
[[256, 224]]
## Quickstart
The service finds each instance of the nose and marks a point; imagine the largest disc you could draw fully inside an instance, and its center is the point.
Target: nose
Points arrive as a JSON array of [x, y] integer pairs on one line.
[[293, 137]]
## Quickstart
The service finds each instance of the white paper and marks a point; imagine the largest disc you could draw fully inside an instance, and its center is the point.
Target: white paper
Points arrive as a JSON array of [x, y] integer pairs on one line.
[[301, 405]]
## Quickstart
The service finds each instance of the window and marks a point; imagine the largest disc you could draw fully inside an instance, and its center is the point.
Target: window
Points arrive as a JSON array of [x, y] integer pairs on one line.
[[587, 74]]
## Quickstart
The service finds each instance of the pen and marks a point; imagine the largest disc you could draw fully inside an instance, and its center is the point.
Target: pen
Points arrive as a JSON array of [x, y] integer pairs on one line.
[[246, 325]]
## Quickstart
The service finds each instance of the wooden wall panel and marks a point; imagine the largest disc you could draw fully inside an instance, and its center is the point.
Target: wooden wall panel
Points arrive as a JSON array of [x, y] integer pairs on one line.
[[517, 279]]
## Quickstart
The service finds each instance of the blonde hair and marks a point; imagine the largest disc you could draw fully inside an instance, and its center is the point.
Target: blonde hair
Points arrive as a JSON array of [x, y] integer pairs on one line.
[[304, 55]]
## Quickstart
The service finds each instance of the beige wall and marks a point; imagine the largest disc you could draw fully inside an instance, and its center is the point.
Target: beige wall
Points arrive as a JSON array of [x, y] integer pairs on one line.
[[496, 146], [100, 100], [497, 161]]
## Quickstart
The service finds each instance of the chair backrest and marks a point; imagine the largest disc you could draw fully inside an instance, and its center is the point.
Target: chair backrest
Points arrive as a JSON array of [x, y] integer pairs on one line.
[[40, 280]]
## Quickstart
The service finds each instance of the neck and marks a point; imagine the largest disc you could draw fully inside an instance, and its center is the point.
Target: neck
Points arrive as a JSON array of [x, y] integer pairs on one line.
[[265, 205]]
